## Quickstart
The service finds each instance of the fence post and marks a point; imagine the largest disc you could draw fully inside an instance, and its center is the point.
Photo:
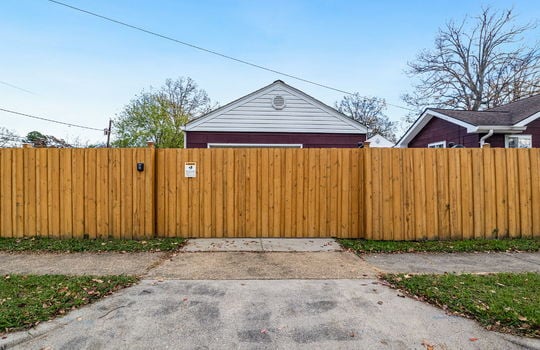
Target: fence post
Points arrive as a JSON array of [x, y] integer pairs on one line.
[[367, 207], [152, 183], [486, 145]]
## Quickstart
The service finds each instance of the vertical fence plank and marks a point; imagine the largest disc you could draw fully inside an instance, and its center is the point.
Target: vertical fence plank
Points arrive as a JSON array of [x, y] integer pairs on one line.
[[78, 198], [431, 179], [53, 194], [525, 194], [467, 194], [43, 193], [66, 189], [161, 230], [489, 193], [535, 191], [443, 199], [512, 169], [477, 166], [29, 189], [501, 185], [6, 193]]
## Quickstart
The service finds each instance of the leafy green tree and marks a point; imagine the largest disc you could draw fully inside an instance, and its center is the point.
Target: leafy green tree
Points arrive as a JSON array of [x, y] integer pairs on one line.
[[39, 140], [159, 115]]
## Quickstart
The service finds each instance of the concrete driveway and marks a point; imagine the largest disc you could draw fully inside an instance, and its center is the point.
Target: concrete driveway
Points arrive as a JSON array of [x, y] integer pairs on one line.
[[256, 294], [263, 314]]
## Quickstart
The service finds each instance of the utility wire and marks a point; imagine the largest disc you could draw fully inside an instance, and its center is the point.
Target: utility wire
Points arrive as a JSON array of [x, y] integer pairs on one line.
[[162, 36], [49, 120], [16, 87]]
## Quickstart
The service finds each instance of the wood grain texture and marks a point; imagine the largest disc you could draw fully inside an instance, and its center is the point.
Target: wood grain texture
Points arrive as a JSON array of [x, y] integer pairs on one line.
[[399, 194]]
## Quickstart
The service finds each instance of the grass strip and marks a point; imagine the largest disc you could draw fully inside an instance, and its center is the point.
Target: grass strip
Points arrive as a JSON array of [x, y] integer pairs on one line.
[[473, 245], [27, 300], [508, 302], [89, 245]]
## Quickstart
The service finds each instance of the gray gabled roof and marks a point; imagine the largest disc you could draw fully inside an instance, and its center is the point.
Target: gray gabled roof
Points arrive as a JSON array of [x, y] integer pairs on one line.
[[508, 114]]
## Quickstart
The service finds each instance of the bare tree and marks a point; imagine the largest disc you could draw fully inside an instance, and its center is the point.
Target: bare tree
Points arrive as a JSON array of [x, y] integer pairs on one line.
[[477, 65], [8, 138], [368, 111]]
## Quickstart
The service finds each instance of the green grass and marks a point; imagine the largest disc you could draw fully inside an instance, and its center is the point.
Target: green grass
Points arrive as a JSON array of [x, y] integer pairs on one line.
[[504, 301], [26, 300], [89, 245], [477, 245]]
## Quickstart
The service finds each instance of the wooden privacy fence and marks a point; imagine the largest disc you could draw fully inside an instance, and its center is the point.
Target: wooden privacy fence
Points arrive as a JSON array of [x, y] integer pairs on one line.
[[400, 194]]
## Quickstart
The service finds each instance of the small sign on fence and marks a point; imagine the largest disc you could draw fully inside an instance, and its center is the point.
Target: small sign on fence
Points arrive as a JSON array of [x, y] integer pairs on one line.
[[190, 169]]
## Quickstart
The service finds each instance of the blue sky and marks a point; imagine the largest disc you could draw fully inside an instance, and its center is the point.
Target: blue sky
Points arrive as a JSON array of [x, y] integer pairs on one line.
[[84, 70]]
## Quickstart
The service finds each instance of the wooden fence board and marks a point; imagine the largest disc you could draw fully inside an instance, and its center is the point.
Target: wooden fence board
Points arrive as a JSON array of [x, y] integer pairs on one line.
[[399, 194]]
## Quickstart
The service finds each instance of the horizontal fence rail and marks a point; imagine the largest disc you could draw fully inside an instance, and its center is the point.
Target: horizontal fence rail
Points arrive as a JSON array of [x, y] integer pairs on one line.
[[386, 194]]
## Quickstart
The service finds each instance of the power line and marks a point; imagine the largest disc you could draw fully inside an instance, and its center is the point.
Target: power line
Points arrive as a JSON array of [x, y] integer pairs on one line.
[[49, 120], [16, 87], [216, 53]]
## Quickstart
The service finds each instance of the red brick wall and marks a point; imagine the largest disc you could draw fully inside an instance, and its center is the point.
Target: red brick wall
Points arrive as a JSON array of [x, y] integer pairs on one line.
[[441, 130], [200, 139]]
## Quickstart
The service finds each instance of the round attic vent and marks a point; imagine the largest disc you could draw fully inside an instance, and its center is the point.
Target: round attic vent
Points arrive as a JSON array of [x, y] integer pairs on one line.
[[278, 102]]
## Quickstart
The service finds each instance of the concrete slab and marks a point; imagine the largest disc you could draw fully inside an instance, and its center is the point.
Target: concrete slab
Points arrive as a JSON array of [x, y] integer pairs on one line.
[[274, 265], [261, 244], [455, 262], [293, 314], [78, 263], [222, 245], [300, 245]]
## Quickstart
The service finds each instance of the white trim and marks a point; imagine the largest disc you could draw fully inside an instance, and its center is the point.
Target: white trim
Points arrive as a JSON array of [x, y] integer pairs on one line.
[[500, 129], [185, 139], [422, 121], [528, 136], [247, 145], [443, 143], [293, 91], [528, 119]]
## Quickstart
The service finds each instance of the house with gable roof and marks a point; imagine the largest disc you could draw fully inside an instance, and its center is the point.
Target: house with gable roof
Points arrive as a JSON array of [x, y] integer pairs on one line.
[[277, 115], [513, 125]]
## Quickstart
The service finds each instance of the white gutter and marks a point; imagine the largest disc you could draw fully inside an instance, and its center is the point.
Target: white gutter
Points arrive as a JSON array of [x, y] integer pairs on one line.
[[499, 129], [485, 137]]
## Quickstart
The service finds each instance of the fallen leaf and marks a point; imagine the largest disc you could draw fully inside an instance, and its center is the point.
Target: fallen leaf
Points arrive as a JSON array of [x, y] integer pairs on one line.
[[428, 345], [401, 295], [264, 331], [380, 302], [473, 339], [97, 280], [79, 318], [522, 318]]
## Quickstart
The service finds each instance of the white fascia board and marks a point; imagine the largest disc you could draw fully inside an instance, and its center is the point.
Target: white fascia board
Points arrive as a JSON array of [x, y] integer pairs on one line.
[[190, 126], [324, 107], [422, 121], [500, 129], [527, 120]]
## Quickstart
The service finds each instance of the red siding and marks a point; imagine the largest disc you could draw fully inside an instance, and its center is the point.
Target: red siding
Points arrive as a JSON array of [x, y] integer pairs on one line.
[[201, 139], [441, 130]]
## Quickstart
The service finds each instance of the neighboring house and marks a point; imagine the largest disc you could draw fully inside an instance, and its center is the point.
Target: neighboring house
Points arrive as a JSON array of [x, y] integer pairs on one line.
[[514, 125], [278, 115], [380, 141]]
